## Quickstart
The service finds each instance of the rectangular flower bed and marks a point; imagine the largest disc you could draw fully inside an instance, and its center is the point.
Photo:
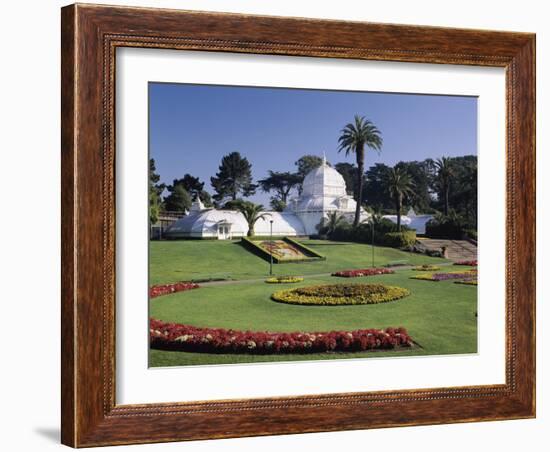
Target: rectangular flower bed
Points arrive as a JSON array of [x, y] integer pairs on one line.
[[471, 263], [165, 289], [362, 272], [172, 336], [281, 251], [470, 274]]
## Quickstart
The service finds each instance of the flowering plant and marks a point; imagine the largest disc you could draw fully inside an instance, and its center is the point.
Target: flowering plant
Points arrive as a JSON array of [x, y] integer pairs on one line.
[[282, 250], [173, 336], [471, 263], [284, 279], [427, 268], [165, 289], [469, 274], [340, 294], [363, 272]]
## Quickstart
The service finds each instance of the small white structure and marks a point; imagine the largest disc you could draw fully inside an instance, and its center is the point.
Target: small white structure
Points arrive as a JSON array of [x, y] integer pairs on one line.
[[412, 220], [230, 224], [324, 191]]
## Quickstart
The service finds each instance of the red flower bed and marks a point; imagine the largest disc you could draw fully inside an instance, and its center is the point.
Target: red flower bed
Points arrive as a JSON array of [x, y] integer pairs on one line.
[[363, 272], [165, 289], [472, 263], [173, 336]]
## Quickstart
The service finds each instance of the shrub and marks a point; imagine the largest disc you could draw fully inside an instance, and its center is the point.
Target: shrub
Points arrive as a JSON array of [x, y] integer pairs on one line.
[[165, 289], [343, 232], [403, 239], [172, 336], [346, 232], [452, 226], [340, 294], [362, 272], [472, 263], [284, 279], [468, 282], [471, 234]]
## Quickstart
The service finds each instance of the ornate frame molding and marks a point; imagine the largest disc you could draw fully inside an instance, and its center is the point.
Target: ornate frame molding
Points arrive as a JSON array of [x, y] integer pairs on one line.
[[90, 37]]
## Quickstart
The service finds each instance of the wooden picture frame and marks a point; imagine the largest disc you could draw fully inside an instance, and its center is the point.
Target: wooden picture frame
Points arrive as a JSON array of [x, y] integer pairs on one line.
[[90, 36]]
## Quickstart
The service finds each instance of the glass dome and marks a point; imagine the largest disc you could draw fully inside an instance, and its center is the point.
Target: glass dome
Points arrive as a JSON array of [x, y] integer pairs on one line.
[[324, 181]]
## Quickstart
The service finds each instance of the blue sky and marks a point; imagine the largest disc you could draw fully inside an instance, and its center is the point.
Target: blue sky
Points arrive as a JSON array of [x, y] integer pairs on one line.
[[192, 126]]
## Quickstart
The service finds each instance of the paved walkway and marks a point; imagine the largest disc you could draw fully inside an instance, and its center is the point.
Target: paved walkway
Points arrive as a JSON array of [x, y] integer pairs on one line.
[[316, 275]]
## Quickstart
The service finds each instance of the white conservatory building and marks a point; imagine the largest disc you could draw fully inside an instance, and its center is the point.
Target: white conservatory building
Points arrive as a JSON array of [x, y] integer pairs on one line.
[[324, 191]]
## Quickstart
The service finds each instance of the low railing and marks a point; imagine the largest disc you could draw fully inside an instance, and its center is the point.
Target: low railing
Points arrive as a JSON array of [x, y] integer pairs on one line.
[[170, 215]]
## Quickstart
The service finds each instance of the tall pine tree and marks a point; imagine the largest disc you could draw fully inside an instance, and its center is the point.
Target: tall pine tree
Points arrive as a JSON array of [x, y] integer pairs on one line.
[[234, 178], [155, 190]]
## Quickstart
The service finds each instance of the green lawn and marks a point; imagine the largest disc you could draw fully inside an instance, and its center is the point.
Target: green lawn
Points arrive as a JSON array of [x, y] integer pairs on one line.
[[184, 260], [440, 316]]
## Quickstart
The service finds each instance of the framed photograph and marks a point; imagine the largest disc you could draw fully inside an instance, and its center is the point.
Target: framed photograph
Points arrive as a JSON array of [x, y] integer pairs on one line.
[[282, 225]]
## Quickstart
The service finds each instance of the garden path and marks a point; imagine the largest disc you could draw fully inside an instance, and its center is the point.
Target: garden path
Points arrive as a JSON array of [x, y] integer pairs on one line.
[[252, 281]]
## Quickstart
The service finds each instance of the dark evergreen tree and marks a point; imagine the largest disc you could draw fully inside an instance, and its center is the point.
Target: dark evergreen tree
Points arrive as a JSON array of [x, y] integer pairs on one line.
[[281, 184], [179, 200], [155, 190], [195, 188], [233, 178], [374, 191], [349, 173]]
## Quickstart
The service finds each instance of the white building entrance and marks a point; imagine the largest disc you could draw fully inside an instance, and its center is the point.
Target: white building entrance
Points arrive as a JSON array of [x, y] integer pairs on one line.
[[224, 230]]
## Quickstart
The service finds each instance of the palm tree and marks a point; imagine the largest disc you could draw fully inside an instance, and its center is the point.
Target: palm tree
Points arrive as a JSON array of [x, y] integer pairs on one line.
[[332, 221], [252, 213], [353, 138], [376, 215], [398, 185], [445, 173]]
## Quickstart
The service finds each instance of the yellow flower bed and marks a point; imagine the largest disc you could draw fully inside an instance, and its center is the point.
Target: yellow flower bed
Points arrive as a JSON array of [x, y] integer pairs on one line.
[[341, 294], [426, 268], [447, 276], [425, 276], [284, 279]]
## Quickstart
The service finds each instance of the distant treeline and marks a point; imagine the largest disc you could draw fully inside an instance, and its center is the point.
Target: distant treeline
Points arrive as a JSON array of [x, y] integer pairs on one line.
[[447, 186]]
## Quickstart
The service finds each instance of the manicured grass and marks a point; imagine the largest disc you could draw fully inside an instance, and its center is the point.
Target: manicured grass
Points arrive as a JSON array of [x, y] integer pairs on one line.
[[184, 260], [440, 316]]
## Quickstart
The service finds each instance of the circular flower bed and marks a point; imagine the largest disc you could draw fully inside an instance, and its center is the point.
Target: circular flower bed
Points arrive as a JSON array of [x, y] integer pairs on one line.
[[340, 294], [284, 279], [173, 336]]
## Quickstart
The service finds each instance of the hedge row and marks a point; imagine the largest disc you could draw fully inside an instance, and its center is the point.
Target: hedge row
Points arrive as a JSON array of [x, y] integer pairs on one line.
[[385, 234]]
